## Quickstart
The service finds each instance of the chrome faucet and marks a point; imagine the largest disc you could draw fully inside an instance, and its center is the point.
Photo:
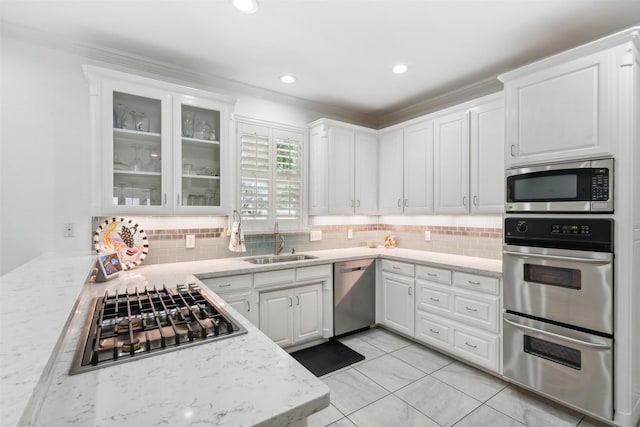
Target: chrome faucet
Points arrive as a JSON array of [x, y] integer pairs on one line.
[[279, 240]]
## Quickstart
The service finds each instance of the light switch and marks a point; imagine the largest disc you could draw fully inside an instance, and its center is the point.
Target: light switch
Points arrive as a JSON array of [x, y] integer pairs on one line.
[[190, 241], [349, 234], [315, 235], [427, 235]]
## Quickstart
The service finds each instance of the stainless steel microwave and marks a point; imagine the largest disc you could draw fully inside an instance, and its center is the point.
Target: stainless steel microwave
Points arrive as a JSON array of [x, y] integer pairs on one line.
[[584, 186]]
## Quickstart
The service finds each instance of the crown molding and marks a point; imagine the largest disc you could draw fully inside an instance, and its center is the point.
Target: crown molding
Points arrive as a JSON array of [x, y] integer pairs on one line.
[[440, 102], [152, 68]]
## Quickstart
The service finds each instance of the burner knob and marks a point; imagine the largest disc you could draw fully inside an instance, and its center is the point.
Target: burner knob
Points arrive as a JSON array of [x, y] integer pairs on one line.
[[522, 227]]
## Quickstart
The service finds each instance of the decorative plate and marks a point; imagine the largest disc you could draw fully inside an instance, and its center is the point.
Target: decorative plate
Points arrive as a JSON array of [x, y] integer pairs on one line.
[[123, 236]]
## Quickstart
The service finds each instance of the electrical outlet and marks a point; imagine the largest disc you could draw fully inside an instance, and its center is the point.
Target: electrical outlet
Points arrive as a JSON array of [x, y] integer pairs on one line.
[[427, 235], [315, 235], [68, 229], [349, 234], [190, 241]]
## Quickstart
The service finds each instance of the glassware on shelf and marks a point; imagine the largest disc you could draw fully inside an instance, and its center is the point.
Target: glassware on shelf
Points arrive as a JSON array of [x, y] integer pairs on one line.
[[140, 121], [118, 164], [202, 130], [119, 116], [187, 169], [120, 195], [137, 165], [187, 123]]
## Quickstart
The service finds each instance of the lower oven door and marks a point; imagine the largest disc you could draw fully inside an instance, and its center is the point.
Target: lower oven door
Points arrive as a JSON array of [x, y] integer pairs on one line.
[[567, 286], [568, 365]]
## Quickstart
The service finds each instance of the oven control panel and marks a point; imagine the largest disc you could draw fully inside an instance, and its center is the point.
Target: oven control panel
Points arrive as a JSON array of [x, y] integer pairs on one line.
[[594, 234]]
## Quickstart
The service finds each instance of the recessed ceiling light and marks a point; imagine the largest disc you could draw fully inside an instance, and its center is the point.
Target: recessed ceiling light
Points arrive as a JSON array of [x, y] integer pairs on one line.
[[400, 69], [246, 6], [288, 79]]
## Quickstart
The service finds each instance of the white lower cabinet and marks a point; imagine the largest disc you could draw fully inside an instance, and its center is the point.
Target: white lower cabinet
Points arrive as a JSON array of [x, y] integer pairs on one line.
[[292, 316], [397, 302], [245, 303], [463, 322]]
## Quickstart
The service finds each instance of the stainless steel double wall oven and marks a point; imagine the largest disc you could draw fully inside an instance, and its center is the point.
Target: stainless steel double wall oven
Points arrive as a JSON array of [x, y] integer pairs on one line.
[[558, 325]]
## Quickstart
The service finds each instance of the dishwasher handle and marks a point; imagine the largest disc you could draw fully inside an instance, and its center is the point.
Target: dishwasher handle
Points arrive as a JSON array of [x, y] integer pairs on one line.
[[352, 269]]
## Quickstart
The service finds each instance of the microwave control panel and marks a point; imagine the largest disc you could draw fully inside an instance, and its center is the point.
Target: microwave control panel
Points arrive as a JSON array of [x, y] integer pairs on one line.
[[600, 185]]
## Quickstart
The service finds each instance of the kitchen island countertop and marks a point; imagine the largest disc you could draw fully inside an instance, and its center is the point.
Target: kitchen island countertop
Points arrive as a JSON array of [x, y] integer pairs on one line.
[[242, 380]]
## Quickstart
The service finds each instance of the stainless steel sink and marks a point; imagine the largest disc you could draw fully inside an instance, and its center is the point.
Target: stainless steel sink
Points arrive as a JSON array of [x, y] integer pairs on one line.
[[271, 259]]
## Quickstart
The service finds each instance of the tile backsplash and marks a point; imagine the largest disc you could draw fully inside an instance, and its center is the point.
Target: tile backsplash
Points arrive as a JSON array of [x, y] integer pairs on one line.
[[166, 236]]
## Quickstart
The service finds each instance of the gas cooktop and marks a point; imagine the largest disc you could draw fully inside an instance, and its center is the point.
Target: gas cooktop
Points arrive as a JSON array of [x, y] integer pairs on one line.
[[127, 326]]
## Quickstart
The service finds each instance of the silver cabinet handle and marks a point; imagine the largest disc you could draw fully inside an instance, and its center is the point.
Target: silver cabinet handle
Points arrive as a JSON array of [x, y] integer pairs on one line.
[[406, 203], [248, 306], [475, 200], [298, 297], [226, 285], [432, 275], [164, 200], [464, 200], [409, 291], [558, 257], [471, 282], [471, 345], [395, 268], [513, 150], [399, 203], [434, 299], [434, 331], [471, 309], [559, 337], [358, 204], [352, 204], [290, 302]]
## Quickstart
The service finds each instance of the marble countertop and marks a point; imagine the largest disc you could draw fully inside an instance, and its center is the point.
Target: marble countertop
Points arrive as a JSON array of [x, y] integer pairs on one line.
[[242, 380]]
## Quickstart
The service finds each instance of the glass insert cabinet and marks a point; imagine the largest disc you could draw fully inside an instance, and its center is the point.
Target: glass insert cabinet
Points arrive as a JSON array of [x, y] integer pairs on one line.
[[161, 148]]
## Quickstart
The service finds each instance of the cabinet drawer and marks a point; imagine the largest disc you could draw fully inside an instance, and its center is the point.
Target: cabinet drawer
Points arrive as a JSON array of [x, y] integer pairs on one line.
[[432, 297], [477, 283], [476, 347], [228, 283], [477, 311], [433, 274], [276, 277], [314, 272], [432, 331], [397, 267]]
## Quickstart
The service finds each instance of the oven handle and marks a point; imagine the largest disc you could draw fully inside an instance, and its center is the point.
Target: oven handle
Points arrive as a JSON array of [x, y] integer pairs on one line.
[[560, 337], [558, 257]]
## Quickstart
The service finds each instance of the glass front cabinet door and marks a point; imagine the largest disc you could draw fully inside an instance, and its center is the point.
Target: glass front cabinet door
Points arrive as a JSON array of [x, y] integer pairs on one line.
[[136, 150], [161, 147], [199, 126]]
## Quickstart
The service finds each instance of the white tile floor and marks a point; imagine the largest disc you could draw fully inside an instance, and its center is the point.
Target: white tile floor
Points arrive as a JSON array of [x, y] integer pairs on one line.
[[401, 383]]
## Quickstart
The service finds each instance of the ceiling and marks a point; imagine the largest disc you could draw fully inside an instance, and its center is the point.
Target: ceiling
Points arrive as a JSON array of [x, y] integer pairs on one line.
[[341, 51]]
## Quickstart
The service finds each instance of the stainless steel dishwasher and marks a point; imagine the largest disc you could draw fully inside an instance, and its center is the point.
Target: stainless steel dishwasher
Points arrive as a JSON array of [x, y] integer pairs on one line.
[[354, 295]]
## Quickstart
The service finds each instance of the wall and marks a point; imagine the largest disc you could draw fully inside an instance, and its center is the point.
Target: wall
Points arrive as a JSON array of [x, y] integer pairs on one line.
[[460, 235], [45, 173], [45, 169]]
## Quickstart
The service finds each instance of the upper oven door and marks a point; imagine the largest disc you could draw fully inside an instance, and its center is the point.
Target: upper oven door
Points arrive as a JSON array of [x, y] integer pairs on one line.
[[567, 286], [567, 187]]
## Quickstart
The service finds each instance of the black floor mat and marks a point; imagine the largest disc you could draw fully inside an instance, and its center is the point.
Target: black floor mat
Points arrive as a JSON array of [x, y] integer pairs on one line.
[[327, 357]]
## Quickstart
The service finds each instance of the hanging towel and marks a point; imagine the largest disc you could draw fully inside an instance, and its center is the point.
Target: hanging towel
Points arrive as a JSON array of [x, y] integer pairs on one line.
[[236, 242]]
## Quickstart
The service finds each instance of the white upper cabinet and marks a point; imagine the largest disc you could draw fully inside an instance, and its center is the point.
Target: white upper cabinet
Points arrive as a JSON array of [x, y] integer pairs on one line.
[[487, 157], [318, 170], [561, 111], [352, 159], [146, 161], [390, 177], [406, 170], [451, 163], [468, 163], [418, 168]]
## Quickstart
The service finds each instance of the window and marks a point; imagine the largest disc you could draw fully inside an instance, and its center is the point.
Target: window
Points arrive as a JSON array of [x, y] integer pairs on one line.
[[270, 176]]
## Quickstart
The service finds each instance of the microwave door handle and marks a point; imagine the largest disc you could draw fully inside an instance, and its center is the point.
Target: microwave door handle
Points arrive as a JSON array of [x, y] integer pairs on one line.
[[559, 337], [558, 257]]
